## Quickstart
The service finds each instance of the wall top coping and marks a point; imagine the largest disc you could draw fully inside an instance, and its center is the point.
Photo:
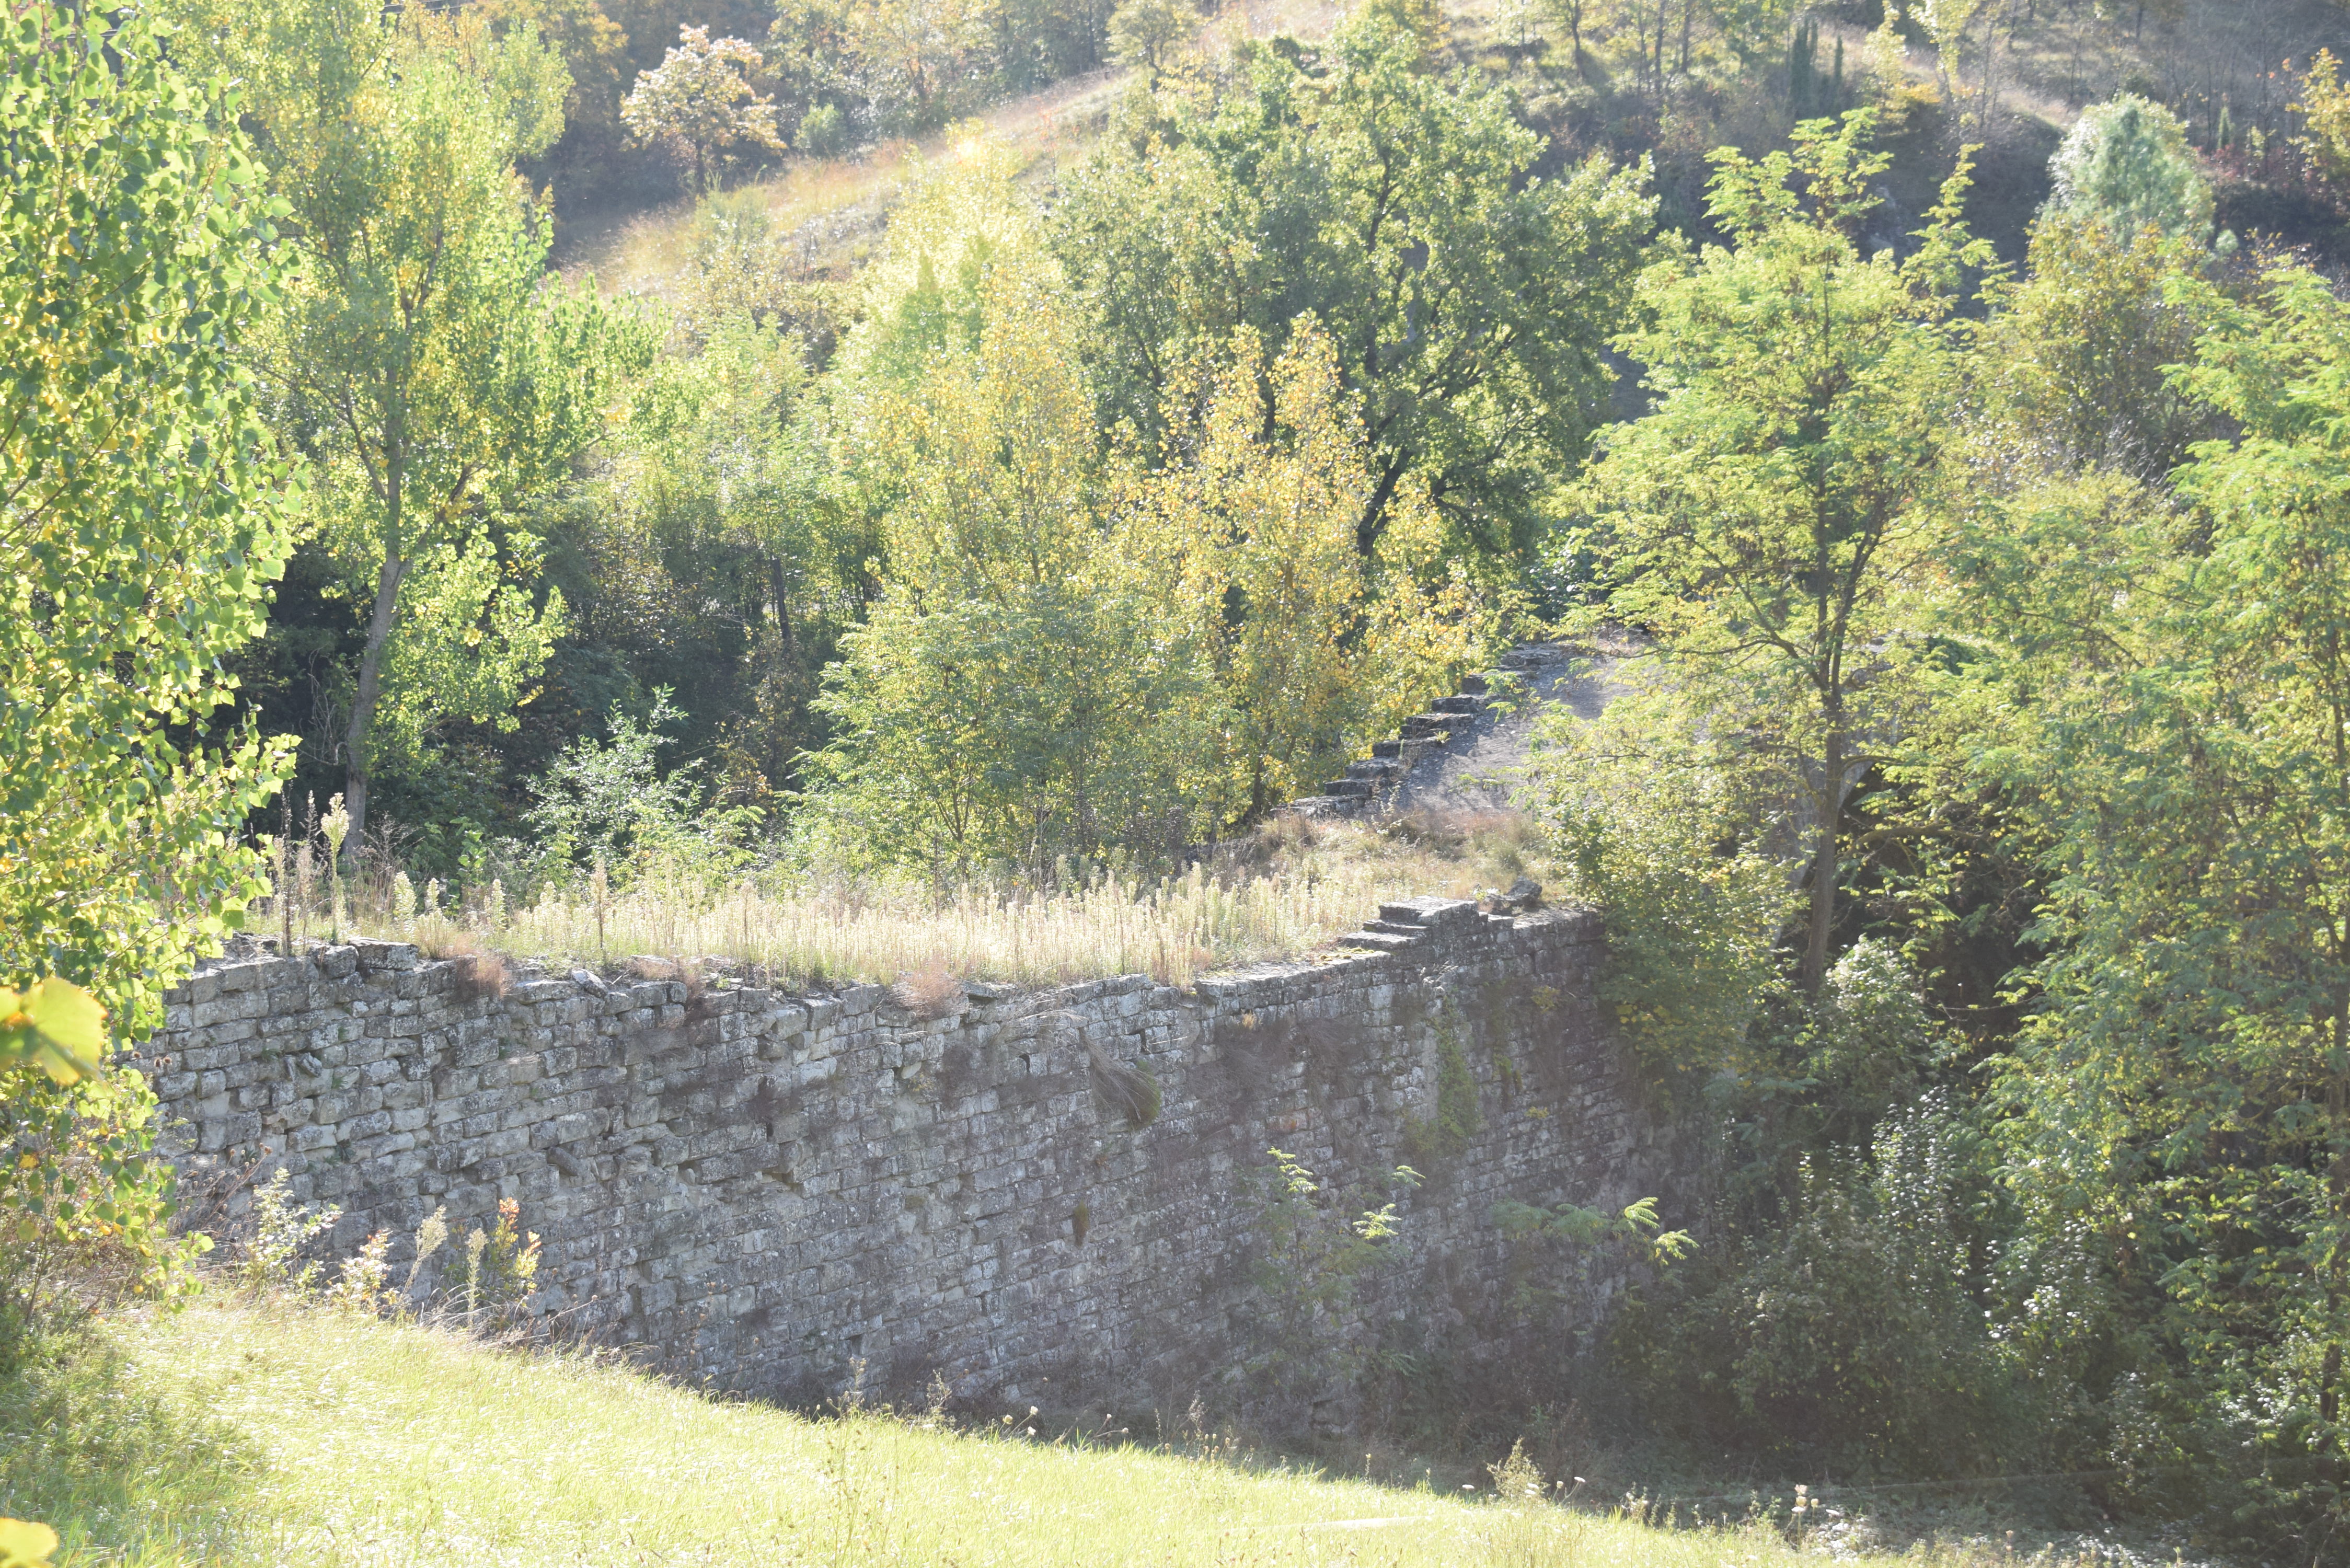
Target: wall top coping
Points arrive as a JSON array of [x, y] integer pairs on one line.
[[1408, 931]]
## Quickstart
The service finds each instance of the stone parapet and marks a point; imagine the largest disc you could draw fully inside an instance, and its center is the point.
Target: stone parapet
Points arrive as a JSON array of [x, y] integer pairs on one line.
[[762, 1190]]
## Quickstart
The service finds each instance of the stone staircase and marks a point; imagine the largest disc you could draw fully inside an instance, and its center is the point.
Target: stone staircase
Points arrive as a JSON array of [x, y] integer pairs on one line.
[[1410, 922], [1370, 782], [1371, 785]]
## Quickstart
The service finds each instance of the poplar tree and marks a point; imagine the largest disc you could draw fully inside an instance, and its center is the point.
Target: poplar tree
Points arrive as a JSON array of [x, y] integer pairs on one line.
[[1075, 648], [142, 516], [441, 380]]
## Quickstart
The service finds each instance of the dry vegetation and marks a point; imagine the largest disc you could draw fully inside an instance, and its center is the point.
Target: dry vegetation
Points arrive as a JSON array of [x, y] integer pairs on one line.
[[1288, 891]]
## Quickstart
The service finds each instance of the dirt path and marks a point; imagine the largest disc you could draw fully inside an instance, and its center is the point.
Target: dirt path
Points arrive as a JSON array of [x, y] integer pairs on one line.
[[1482, 766]]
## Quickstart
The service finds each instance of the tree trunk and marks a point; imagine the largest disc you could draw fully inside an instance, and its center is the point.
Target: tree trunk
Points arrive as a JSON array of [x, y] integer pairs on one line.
[[2337, 1180], [1990, 70], [1830, 807], [1374, 520]]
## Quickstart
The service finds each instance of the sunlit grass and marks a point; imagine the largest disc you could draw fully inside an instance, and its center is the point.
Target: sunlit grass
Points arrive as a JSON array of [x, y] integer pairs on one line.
[[1289, 894], [248, 1435]]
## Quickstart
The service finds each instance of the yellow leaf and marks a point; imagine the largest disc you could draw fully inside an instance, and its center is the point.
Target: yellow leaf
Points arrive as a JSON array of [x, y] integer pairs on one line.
[[24, 1545], [71, 1025]]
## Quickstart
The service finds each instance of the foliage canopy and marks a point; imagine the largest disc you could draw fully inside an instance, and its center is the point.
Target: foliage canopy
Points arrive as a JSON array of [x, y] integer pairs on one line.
[[142, 517]]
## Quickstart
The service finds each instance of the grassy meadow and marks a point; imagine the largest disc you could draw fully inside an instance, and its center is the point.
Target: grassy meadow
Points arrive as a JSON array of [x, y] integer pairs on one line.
[[300, 1438]]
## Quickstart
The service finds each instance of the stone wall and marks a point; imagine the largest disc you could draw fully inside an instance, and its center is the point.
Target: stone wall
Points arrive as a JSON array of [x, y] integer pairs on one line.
[[761, 1189]]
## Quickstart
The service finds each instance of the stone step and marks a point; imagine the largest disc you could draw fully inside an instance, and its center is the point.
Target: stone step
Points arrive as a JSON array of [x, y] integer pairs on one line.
[[1394, 929], [1428, 726], [1393, 749], [1375, 769], [1405, 917], [1461, 704], [1377, 941], [1357, 788]]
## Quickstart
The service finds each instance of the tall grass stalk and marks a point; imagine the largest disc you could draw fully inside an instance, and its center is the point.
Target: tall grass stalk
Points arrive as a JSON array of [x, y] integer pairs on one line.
[[1171, 927], [1289, 892]]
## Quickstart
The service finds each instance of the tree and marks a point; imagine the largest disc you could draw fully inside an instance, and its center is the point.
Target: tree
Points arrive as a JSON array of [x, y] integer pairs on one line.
[[2325, 107], [1468, 296], [1018, 689], [441, 379], [1312, 647], [142, 516], [2170, 693], [2074, 357], [808, 46], [920, 63], [1769, 516], [2125, 163], [1073, 648], [715, 499], [701, 95], [1946, 23], [1572, 15], [593, 48], [1146, 34]]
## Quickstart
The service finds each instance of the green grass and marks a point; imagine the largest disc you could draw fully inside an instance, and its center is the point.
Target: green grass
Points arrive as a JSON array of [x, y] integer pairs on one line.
[[236, 1434]]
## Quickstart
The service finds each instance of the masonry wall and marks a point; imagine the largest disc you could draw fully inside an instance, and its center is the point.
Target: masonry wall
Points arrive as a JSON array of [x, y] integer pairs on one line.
[[760, 1189]]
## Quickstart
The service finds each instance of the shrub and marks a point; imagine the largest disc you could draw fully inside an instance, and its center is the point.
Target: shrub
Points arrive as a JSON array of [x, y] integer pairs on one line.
[[2127, 163], [84, 1206], [1458, 1118], [1657, 832], [824, 131], [498, 1268], [1314, 1242], [273, 1262], [1851, 1333]]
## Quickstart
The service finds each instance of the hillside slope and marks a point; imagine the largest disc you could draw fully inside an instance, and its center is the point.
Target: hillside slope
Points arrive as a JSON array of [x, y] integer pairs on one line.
[[239, 1435], [830, 212]]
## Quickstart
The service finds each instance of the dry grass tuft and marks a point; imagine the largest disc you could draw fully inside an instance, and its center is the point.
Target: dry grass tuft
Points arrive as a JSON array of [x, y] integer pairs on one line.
[[479, 970], [1128, 1090], [929, 991], [480, 975], [687, 972]]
